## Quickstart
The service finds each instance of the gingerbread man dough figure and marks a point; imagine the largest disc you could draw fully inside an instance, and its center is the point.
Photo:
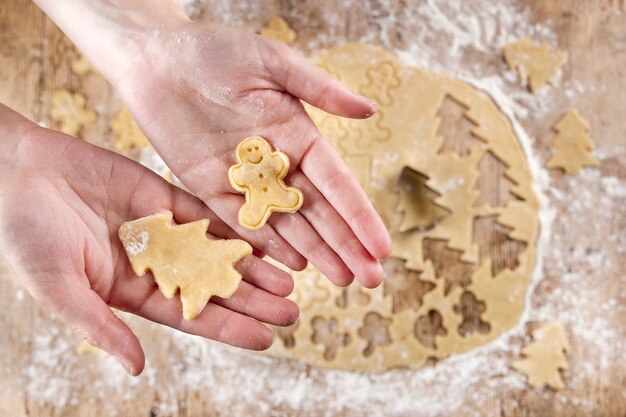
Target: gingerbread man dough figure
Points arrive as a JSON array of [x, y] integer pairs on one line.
[[259, 174]]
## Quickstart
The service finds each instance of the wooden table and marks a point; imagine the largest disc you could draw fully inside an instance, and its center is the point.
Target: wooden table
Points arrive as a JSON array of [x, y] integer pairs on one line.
[[35, 60]]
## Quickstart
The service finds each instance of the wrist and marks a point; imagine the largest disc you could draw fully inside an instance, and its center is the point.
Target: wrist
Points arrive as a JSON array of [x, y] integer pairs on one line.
[[13, 127], [113, 34]]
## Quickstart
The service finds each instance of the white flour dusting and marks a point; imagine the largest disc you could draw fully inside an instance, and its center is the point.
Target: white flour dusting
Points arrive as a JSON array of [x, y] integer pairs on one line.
[[138, 244], [462, 39]]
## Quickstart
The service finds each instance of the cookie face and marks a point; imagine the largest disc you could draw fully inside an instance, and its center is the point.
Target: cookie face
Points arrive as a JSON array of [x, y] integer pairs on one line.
[[253, 150], [259, 174]]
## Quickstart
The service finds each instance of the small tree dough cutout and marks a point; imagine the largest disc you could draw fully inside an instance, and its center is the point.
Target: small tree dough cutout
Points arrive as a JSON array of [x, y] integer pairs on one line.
[[259, 174], [181, 256], [545, 357], [572, 145]]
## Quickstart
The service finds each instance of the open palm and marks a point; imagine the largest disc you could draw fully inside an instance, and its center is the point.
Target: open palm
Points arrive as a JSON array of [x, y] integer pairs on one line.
[[198, 90], [61, 203]]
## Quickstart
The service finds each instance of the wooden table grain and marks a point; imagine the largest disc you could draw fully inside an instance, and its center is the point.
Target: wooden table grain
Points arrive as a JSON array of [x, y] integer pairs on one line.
[[35, 60]]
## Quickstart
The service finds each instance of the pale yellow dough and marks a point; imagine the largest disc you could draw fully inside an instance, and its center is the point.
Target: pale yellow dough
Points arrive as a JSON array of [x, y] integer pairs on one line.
[[259, 174], [545, 357], [278, 29], [69, 110], [127, 133], [404, 133], [537, 63], [80, 65], [84, 347], [182, 257], [572, 146]]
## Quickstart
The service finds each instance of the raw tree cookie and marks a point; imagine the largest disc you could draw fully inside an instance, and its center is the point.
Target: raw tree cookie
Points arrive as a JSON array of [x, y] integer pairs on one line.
[[182, 257], [259, 174], [572, 146], [69, 110], [545, 356], [278, 29], [536, 63]]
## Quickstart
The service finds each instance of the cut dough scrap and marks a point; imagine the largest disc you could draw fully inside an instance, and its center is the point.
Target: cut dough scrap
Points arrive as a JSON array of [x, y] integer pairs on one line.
[[69, 110], [405, 133], [278, 29], [545, 356], [128, 135], [572, 145], [182, 257], [536, 63], [259, 174]]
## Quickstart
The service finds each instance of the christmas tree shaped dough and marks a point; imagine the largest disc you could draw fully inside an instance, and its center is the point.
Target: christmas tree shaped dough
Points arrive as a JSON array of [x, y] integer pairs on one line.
[[182, 257], [534, 62], [545, 357], [572, 145], [259, 174]]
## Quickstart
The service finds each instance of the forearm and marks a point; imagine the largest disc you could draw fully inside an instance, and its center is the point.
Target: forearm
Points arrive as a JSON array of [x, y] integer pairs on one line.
[[113, 33]]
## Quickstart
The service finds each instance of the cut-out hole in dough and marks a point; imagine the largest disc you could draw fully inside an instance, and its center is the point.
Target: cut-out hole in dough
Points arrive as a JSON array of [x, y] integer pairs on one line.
[[494, 186], [494, 243], [471, 308], [327, 334], [448, 263], [428, 327], [375, 330], [352, 295], [404, 286], [286, 335], [456, 128]]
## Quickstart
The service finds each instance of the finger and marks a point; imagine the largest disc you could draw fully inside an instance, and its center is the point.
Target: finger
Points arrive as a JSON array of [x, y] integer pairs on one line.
[[214, 322], [303, 237], [336, 232], [307, 82], [265, 276], [260, 305], [188, 208], [325, 169], [85, 311], [227, 206]]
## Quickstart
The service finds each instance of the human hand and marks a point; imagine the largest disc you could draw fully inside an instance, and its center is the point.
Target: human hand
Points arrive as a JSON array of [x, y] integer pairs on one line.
[[198, 89], [61, 204]]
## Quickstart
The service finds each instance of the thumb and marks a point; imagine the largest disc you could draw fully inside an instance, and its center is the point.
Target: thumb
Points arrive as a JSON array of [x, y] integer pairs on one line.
[[308, 83], [85, 312]]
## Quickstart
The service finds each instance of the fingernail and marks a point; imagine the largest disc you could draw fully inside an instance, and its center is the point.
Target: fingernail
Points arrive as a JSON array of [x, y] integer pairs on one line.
[[127, 366], [373, 108]]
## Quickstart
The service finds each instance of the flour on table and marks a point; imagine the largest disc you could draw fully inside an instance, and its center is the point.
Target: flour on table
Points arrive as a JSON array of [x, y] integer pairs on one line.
[[462, 39]]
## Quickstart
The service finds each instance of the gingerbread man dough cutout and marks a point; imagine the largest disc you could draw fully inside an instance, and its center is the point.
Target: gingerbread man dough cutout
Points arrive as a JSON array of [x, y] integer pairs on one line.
[[259, 174]]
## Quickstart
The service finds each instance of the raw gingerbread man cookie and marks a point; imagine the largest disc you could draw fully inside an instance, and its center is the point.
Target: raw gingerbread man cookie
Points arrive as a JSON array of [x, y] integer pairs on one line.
[[259, 174]]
